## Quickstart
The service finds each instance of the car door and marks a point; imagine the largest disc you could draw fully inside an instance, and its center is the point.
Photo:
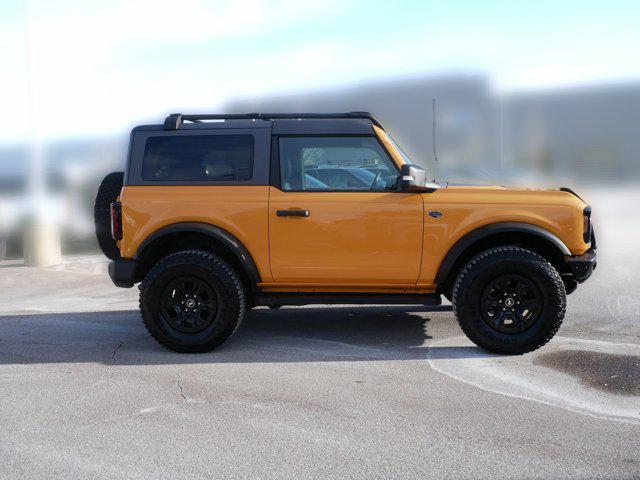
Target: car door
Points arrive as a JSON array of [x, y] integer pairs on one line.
[[325, 230]]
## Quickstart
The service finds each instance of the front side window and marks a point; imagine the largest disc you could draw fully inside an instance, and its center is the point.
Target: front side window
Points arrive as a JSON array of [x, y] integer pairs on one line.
[[198, 158], [335, 163]]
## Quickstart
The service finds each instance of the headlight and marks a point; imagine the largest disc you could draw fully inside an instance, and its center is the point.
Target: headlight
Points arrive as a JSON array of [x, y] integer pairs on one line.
[[586, 224]]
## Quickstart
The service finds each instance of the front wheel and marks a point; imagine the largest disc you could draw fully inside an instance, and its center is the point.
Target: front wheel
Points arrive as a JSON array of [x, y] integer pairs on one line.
[[509, 300], [192, 301]]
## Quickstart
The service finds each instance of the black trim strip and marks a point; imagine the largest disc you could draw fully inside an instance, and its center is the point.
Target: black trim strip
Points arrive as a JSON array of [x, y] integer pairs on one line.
[[235, 246], [348, 299], [502, 227]]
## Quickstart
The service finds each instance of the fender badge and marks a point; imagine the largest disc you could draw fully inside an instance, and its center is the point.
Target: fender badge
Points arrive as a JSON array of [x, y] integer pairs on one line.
[[435, 214]]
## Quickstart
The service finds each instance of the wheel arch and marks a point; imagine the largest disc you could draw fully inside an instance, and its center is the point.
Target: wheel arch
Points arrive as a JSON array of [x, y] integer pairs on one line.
[[523, 234], [186, 235]]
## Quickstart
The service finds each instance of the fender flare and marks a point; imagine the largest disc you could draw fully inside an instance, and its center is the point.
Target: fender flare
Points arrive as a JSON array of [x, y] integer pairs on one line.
[[234, 245], [479, 233]]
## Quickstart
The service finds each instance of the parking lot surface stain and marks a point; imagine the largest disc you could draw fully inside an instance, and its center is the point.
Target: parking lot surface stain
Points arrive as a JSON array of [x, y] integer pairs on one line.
[[615, 374]]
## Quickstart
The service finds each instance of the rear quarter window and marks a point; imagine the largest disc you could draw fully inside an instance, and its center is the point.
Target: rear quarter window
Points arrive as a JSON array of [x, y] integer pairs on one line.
[[198, 158]]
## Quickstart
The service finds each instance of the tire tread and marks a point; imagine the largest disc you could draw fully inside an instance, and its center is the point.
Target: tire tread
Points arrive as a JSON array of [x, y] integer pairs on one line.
[[215, 265], [108, 192], [550, 273]]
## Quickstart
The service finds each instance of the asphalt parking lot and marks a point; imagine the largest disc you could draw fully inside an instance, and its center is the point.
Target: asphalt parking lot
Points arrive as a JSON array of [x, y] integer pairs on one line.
[[333, 392]]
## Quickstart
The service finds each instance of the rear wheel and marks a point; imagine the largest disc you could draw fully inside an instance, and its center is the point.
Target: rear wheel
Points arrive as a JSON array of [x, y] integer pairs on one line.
[[509, 300], [192, 301]]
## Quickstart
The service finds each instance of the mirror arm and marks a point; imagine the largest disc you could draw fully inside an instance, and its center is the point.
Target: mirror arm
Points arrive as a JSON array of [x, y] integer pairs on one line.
[[431, 186], [428, 187]]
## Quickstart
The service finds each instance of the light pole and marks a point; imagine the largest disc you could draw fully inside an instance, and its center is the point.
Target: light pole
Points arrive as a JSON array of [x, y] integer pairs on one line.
[[40, 231]]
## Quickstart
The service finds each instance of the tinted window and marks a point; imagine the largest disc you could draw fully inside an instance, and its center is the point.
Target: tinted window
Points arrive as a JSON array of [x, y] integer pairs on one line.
[[198, 158], [335, 163]]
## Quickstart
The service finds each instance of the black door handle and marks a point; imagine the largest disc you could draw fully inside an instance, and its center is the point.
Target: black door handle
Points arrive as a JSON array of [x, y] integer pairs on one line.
[[292, 213]]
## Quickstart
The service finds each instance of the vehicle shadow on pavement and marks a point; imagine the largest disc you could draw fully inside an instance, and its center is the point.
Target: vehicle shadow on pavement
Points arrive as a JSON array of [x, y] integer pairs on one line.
[[362, 333]]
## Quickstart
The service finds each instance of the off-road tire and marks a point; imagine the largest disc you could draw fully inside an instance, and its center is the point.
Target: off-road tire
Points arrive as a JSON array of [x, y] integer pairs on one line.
[[108, 192], [489, 265], [215, 273]]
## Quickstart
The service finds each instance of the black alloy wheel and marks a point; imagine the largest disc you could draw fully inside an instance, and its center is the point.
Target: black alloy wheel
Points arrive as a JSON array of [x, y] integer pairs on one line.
[[511, 303], [188, 304]]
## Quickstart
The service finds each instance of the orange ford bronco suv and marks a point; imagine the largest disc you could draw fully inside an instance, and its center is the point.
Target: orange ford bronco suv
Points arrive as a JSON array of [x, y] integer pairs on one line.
[[216, 214]]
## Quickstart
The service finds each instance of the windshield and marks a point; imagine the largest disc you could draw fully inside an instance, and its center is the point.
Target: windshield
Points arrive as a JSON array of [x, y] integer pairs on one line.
[[405, 157]]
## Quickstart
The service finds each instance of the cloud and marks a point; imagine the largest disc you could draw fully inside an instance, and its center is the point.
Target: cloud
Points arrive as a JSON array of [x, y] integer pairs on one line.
[[103, 65], [77, 48]]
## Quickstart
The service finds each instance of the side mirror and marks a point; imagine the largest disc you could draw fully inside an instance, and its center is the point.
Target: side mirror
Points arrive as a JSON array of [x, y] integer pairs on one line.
[[413, 178]]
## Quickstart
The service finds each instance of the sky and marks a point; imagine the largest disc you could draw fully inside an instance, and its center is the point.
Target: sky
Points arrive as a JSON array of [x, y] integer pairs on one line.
[[85, 68]]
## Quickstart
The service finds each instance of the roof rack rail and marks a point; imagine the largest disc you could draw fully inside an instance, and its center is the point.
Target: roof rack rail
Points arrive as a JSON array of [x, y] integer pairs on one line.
[[175, 120]]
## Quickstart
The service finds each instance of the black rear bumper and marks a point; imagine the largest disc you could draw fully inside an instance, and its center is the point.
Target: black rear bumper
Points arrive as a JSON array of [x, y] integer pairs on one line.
[[122, 272], [582, 266]]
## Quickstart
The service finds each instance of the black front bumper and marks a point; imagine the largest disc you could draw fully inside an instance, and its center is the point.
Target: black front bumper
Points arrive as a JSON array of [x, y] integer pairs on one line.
[[582, 266], [122, 272]]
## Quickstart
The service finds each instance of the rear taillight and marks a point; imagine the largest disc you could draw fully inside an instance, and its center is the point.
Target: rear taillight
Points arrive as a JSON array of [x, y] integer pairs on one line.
[[586, 224], [116, 220]]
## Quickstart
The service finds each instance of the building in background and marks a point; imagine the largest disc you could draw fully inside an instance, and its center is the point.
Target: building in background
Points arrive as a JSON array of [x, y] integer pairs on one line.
[[589, 135]]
